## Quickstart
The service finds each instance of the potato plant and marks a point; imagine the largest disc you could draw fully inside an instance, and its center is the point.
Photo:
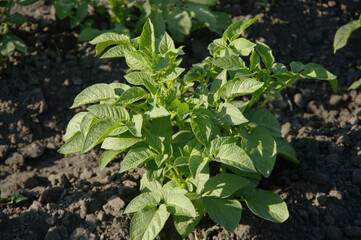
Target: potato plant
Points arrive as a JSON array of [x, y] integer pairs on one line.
[[204, 151], [9, 42], [177, 16]]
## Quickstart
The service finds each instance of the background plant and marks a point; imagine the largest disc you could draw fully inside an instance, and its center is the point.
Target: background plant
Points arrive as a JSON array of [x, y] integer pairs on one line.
[[204, 151], [16, 198], [177, 16], [9, 42], [341, 38]]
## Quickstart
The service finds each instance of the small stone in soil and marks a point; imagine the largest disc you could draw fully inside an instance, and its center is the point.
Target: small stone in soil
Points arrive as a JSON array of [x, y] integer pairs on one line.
[[333, 233], [51, 195], [353, 231], [81, 233], [15, 159], [336, 194], [4, 150], [34, 150], [114, 205], [315, 177], [356, 177]]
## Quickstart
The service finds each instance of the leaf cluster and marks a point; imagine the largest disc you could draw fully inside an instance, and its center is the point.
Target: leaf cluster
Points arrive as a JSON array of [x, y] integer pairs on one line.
[[16, 198], [179, 135], [10, 42]]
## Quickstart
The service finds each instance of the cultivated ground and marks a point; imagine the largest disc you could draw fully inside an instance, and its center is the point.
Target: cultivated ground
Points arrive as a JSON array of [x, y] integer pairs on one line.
[[69, 198]]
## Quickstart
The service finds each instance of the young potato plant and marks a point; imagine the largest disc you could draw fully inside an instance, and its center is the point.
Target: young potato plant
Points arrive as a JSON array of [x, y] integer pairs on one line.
[[204, 151]]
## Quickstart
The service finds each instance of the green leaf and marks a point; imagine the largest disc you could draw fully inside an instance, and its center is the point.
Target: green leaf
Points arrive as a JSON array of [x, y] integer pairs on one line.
[[137, 60], [166, 44], [243, 46], [202, 128], [255, 61], [82, 11], [229, 62], [18, 43], [204, 2], [202, 14], [343, 34], [185, 225], [235, 156], [172, 74], [297, 67], [156, 112], [135, 158], [159, 23], [112, 38], [17, 18], [240, 87], [262, 148], [147, 39], [193, 147], [199, 169], [74, 145], [217, 85], [236, 28], [223, 185], [355, 85], [121, 142], [263, 118], [286, 150], [178, 204], [279, 68], [97, 132], [218, 142], [228, 114], [73, 126], [266, 204], [135, 127], [146, 224], [107, 111], [89, 33], [63, 9], [183, 111], [146, 185], [225, 212], [132, 95], [117, 51], [95, 93], [106, 157], [316, 71], [136, 78], [143, 201], [161, 127], [266, 54], [179, 23]]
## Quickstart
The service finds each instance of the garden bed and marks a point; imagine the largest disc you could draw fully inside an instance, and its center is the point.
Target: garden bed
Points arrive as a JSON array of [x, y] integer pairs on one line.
[[69, 197]]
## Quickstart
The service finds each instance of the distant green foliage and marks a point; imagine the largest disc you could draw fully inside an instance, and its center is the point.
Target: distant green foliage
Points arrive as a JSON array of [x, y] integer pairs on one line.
[[8, 41], [341, 38], [17, 197], [176, 16], [178, 135]]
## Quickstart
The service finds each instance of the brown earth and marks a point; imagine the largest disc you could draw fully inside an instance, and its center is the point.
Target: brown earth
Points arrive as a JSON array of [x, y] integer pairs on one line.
[[69, 198]]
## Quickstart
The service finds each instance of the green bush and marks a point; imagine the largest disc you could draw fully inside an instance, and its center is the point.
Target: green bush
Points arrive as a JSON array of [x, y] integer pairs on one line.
[[204, 151]]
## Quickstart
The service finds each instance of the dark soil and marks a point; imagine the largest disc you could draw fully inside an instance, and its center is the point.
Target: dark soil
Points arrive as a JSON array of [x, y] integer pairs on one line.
[[69, 198]]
